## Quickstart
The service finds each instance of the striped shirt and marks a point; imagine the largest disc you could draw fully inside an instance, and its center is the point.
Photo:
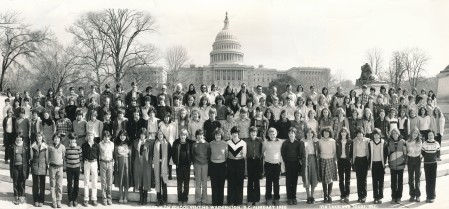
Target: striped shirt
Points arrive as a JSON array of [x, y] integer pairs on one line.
[[430, 151], [73, 156]]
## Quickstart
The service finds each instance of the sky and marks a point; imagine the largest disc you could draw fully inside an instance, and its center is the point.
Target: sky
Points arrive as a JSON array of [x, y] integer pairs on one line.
[[276, 34]]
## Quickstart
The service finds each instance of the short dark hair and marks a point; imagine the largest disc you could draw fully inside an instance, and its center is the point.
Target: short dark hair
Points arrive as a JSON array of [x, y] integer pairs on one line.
[[235, 129]]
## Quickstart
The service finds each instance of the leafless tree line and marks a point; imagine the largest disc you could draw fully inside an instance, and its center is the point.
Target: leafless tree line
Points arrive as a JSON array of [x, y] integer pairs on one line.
[[404, 65], [106, 47]]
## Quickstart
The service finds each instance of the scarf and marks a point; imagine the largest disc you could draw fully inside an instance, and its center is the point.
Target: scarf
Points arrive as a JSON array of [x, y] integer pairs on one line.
[[48, 122], [161, 169]]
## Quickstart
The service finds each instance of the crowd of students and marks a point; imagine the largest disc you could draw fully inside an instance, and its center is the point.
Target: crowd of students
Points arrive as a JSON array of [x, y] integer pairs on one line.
[[134, 139]]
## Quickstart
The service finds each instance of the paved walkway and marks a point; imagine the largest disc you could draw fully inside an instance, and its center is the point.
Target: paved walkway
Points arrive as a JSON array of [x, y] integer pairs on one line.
[[442, 200]]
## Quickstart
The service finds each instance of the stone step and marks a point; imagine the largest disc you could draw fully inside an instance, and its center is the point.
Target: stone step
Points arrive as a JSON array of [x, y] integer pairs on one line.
[[172, 191], [444, 160]]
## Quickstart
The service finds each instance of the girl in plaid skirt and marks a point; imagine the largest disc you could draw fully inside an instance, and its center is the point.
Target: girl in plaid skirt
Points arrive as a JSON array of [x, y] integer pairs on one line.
[[328, 157]]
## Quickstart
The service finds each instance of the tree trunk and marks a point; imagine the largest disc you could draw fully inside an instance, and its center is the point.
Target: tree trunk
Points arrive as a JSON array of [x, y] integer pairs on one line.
[[1, 79]]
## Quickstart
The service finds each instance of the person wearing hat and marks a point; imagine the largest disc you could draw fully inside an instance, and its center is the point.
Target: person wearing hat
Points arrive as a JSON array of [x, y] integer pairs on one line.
[[23, 124], [106, 94], [134, 94], [168, 98]]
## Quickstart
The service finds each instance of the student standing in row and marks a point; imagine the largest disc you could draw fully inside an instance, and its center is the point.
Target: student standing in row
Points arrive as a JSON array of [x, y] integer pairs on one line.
[[142, 159], [122, 165], [9, 131], [236, 166], [182, 157], [344, 156], [328, 157], [271, 150], [308, 153], [201, 156], [360, 158], [161, 161], [56, 155], [430, 148], [377, 164], [18, 168], [106, 167], [253, 159], [91, 154], [73, 156], [219, 154], [290, 157], [396, 154], [414, 147], [39, 165]]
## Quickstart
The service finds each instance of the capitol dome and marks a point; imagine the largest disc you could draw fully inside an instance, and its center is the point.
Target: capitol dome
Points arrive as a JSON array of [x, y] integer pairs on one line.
[[226, 49]]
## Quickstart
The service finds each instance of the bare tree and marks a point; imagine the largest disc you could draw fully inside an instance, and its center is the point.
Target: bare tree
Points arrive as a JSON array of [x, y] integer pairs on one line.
[[175, 58], [121, 29], [397, 68], [374, 57], [415, 63], [93, 47], [56, 66], [18, 41]]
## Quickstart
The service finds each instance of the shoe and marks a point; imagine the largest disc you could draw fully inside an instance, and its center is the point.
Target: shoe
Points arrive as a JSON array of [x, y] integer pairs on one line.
[[170, 178], [379, 201], [6, 162], [22, 200], [94, 203], [431, 200], [125, 200], [269, 203], [41, 204], [36, 204], [54, 205], [179, 203], [346, 200], [276, 202], [313, 200], [363, 200], [438, 159], [85, 203], [105, 202], [325, 199], [398, 201], [197, 204], [342, 200], [58, 204], [375, 201], [289, 202], [393, 201], [254, 204], [412, 199], [70, 204], [295, 202], [329, 199], [75, 204], [359, 200], [417, 199], [309, 201], [120, 201], [109, 201]]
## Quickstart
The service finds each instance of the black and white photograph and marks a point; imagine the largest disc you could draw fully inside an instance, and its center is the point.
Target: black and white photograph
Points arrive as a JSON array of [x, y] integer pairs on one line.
[[224, 104]]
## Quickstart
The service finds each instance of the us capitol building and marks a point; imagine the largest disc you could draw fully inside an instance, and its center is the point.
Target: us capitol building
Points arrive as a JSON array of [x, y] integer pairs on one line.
[[227, 66]]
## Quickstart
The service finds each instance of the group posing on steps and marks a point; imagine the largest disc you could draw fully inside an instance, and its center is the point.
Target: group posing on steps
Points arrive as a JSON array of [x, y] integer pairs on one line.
[[134, 139]]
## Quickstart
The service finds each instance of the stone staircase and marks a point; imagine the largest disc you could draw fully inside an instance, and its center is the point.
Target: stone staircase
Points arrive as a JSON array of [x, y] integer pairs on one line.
[[443, 170]]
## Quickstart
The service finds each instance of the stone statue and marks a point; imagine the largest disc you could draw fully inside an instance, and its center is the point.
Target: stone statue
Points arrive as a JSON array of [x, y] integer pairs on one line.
[[367, 76]]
